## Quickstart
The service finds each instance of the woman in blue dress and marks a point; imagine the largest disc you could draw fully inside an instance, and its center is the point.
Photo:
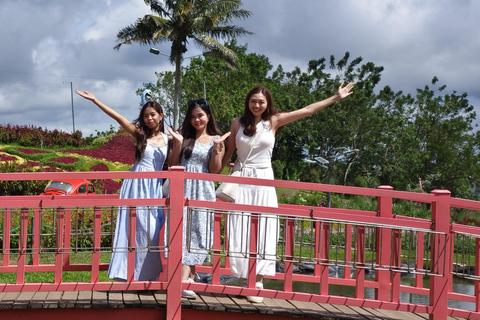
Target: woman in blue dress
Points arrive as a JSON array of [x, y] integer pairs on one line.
[[151, 151], [202, 151]]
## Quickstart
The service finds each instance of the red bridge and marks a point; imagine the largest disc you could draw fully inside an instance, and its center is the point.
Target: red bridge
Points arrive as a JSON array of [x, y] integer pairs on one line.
[[48, 235]]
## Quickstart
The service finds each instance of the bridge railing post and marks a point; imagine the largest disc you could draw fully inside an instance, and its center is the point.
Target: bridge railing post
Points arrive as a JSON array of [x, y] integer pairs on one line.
[[440, 255], [174, 269], [477, 273], [383, 247]]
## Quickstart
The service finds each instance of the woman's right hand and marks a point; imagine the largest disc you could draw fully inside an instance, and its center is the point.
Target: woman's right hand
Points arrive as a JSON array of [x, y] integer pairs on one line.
[[85, 94]]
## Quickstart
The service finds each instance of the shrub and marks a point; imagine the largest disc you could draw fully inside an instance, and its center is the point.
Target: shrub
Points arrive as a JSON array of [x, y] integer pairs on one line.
[[277, 167], [99, 167], [15, 188]]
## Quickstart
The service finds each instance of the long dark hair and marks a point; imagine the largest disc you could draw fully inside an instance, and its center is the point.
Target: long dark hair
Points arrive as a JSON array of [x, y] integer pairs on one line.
[[189, 132], [143, 131], [248, 119]]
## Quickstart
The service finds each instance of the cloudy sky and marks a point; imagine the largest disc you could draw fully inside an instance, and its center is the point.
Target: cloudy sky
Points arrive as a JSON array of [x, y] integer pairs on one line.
[[47, 45]]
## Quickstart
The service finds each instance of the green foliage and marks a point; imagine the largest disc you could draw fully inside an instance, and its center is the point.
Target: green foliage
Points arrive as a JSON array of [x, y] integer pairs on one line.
[[16, 188], [277, 167], [101, 137]]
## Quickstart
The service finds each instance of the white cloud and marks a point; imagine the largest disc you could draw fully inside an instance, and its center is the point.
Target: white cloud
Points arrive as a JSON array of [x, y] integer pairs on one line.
[[72, 41]]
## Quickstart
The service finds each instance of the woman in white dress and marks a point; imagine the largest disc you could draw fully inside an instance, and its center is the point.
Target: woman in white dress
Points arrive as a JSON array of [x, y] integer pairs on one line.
[[260, 118], [151, 152]]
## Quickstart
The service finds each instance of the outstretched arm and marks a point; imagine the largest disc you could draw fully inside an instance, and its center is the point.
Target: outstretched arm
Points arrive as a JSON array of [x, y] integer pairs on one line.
[[287, 117], [215, 165], [127, 125]]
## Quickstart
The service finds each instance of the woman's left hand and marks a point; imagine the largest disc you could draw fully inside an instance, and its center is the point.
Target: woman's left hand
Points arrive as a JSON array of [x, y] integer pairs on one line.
[[177, 137], [344, 92]]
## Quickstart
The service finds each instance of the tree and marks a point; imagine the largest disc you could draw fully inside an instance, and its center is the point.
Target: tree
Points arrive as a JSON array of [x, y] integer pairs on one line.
[[178, 21]]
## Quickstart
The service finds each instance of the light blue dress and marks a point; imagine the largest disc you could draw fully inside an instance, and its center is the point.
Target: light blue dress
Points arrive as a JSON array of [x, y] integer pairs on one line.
[[198, 224], [148, 224]]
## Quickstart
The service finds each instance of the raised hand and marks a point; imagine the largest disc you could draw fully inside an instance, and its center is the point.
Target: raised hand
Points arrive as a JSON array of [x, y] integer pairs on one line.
[[177, 137], [85, 94], [344, 92], [218, 142]]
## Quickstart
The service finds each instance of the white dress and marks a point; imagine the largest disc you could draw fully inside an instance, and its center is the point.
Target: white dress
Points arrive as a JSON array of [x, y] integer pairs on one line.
[[148, 223], [198, 225], [259, 165]]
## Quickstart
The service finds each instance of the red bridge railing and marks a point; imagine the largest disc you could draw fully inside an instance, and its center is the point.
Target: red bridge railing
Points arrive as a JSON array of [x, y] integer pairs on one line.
[[46, 233]]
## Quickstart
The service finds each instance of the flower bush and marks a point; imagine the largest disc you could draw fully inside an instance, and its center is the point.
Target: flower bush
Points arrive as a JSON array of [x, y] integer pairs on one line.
[[31, 151], [119, 149], [7, 158], [65, 160], [31, 136], [99, 167], [111, 186]]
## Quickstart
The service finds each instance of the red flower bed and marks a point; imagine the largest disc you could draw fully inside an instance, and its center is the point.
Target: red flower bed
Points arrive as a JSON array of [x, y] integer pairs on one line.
[[7, 158], [110, 186], [99, 167], [119, 149], [65, 160], [30, 151]]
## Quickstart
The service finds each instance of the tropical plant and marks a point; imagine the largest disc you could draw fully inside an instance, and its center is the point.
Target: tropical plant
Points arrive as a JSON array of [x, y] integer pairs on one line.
[[178, 21]]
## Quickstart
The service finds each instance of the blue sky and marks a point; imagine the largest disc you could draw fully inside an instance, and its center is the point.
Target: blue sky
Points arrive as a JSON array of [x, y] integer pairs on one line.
[[48, 44]]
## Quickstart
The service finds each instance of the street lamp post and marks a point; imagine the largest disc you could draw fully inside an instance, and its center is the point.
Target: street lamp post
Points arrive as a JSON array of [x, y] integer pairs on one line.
[[73, 112]]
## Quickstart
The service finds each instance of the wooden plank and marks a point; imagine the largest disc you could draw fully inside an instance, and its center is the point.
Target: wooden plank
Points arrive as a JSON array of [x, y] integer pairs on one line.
[[147, 299], [403, 315], [115, 299], [397, 315], [186, 304], [8, 300], [275, 308], [197, 304], [23, 300], [68, 299], [227, 303], [291, 308], [367, 312], [346, 310], [38, 300], [130, 299], [211, 301], [53, 299], [99, 299], [244, 305], [311, 309], [161, 298], [84, 299]]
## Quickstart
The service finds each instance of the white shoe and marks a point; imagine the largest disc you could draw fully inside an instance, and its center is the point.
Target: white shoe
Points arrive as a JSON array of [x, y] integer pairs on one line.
[[189, 294], [256, 299]]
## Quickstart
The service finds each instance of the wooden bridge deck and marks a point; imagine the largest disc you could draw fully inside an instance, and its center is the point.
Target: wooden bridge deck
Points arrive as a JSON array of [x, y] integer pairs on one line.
[[204, 302]]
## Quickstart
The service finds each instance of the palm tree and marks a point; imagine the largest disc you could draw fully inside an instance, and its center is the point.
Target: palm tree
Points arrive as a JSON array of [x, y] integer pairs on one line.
[[179, 21]]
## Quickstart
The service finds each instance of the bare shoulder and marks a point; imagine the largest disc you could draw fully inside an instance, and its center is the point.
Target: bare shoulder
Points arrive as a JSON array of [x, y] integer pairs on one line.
[[235, 125]]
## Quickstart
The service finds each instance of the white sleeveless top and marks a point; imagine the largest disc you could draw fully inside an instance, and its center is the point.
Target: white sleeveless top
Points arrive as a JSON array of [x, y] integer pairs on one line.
[[261, 156]]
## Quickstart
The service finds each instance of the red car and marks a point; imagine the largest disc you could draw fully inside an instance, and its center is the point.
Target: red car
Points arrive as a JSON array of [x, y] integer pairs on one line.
[[69, 187]]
